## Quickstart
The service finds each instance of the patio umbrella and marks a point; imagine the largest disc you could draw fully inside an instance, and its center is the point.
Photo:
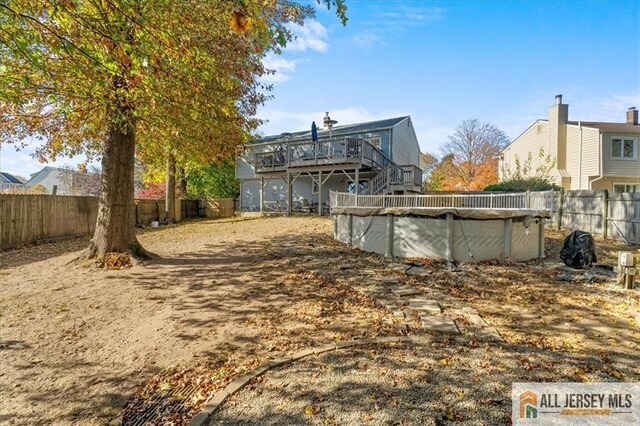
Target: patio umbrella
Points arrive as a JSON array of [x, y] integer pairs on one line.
[[314, 131]]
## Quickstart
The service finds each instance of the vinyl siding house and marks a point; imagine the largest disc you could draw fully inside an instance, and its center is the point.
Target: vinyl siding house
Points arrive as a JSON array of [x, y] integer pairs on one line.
[[9, 181], [291, 172], [589, 155], [66, 182]]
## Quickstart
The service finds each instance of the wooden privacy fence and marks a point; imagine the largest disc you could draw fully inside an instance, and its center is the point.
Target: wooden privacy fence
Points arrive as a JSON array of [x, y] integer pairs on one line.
[[218, 207], [26, 219], [610, 215]]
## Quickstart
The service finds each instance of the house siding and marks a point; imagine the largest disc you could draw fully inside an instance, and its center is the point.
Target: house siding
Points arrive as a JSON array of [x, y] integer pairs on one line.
[[405, 149], [612, 167], [608, 181], [528, 144], [244, 165], [582, 155], [49, 178], [590, 156]]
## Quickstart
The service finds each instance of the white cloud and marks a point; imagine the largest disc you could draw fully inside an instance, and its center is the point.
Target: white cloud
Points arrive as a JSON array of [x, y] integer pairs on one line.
[[395, 21], [310, 36], [282, 67], [431, 134], [369, 38], [411, 15], [611, 108]]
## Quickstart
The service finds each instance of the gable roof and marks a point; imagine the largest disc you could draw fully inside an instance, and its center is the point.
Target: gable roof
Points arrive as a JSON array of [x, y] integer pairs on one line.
[[346, 129], [608, 127], [10, 178]]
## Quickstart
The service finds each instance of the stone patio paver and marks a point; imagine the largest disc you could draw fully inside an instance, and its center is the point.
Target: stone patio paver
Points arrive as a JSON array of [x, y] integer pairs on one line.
[[403, 291], [417, 271], [439, 324], [425, 305]]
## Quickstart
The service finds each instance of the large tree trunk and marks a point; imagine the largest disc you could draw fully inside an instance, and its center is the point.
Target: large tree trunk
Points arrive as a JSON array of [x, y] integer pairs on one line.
[[183, 181], [170, 193], [115, 227]]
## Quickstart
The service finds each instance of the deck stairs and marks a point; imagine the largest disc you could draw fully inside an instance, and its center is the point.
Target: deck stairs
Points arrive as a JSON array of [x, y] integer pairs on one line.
[[395, 179]]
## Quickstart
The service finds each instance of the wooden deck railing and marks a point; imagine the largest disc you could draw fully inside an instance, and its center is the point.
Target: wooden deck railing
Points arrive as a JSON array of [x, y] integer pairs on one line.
[[395, 176], [279, 157], [489, 201]]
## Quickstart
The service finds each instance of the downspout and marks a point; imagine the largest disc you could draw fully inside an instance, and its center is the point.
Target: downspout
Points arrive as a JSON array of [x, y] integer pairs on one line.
[[580, 157], [600, 167]]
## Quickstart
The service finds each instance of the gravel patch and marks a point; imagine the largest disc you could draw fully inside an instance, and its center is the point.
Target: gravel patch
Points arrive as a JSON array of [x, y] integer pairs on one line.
[[452, 381]]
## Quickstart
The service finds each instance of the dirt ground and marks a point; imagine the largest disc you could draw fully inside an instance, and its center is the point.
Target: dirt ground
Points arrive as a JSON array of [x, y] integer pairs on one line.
[[79, 343], [77, 340]]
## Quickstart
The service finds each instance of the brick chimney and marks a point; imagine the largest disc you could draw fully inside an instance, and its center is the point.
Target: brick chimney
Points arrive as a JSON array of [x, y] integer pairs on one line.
[[326, 122], [632, 116]]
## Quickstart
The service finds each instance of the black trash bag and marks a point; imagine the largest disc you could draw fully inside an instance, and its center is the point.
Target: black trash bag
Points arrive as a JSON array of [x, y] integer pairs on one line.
[[579, 250]]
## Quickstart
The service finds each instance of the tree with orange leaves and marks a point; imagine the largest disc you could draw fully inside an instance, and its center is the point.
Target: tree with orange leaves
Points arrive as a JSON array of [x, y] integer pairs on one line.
[[470, 160], [116, 79]]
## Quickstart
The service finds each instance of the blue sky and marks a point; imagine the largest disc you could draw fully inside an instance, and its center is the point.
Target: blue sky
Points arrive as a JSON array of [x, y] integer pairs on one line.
[[444, 62]]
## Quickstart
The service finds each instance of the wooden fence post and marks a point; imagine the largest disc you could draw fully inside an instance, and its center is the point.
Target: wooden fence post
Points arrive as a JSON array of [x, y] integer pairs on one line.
[[560, 207], [605, 212]]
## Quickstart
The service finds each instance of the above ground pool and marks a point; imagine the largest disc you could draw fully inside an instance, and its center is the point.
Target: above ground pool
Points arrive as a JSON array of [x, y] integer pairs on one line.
[[456, 227]]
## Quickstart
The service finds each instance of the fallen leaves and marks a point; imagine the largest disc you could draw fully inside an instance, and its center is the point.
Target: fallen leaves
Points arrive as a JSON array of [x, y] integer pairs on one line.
[[114, 261], [312, 410]]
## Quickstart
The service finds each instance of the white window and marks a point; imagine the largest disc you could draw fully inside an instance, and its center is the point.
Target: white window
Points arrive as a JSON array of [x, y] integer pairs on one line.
[[624, 148], [626, 187]]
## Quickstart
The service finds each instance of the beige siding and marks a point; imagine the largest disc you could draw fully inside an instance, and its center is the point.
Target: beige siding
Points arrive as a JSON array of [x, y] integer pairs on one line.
[[608, 182], [573, 160], [590, 156], [404, 145], [613, 167], [582, 156], [528, 145]]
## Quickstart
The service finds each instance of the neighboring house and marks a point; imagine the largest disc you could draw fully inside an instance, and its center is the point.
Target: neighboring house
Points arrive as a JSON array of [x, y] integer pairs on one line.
[[291, 172], [9, 181], [589, 155], [66, 181]]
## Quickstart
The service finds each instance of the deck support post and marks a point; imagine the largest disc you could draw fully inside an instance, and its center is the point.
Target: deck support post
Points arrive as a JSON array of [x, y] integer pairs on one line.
[[350, 229], [450, 237], [261, 195], [508, 227], [320, 193], [541, 239], [357, 182], [389, 252], [289, 194]]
